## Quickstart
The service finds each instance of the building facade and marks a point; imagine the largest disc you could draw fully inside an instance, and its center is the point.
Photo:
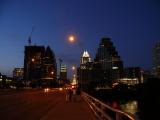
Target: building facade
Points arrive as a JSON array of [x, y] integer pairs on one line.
[[156, 60], [18, 73], [84, 72], [39, 65], [63, 74], [49, 68], [132, 76], [111, 63]]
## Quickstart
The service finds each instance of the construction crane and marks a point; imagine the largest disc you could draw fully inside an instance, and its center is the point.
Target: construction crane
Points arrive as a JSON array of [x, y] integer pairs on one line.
[[29, 38]]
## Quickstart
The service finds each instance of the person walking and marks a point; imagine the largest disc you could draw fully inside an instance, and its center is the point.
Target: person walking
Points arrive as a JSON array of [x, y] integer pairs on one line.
[[67, 95], [74, 94], [70, 94]]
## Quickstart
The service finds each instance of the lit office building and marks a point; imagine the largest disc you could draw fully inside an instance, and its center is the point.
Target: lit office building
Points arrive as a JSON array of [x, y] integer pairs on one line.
[[63, 74], [39, 65], [49, 68], [33, 60], [18, 73], [85, 58], [84, 72], [132, 76], [110, 61]]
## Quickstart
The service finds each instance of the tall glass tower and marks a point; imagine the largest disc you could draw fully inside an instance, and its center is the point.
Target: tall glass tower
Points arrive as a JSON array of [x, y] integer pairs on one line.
[[109, 59]]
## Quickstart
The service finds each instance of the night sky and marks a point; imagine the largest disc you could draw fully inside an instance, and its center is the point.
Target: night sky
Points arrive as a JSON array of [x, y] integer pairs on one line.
[[133, 25]]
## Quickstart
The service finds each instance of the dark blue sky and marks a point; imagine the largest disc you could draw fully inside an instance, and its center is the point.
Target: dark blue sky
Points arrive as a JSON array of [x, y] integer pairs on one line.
[[133, 25]]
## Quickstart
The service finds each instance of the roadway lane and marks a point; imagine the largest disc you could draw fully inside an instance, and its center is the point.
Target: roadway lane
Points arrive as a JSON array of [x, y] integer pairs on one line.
[[28, 105], [38, 105]]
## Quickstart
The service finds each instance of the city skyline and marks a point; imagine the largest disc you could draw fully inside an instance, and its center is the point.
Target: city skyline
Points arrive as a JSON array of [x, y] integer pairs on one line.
[[133, 27]]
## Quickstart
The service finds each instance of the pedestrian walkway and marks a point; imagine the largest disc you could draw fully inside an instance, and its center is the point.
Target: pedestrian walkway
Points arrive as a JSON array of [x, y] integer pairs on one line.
[[73, 110]]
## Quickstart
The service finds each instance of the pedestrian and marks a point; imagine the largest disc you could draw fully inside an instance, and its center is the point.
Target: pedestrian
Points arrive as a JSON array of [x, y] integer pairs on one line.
[[67, 94], [74, 94], [70, 94]]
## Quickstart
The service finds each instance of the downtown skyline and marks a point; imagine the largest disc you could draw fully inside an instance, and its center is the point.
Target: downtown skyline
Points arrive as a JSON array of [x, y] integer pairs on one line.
[[132, 25]]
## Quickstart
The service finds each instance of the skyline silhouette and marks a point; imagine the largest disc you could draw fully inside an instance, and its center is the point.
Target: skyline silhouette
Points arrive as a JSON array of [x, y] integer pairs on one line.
[[132, 25]]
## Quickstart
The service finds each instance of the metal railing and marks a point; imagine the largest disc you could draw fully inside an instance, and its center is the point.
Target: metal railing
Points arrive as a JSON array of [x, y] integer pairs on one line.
[[104, 111]]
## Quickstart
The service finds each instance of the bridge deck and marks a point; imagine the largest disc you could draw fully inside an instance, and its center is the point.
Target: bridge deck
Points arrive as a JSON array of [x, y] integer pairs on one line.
[[73, 110], [37, 105]]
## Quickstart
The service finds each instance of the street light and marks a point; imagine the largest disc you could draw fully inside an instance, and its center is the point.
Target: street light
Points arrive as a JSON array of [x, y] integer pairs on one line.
[[74, 81], [73, 68], [33, 60], [71, 38], [52, 72]]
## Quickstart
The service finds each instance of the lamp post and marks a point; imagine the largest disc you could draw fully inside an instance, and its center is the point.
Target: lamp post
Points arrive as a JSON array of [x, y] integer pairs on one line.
[[74, 75], [73, 39], [73, 68]]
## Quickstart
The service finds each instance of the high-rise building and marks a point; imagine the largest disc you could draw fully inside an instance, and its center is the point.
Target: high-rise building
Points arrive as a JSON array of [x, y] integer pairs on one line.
[[156, 60], [49, 67], [33, 60], [84, 72], [39, 65], [85, 58], [110, 61], [63, 74], [18, 73]]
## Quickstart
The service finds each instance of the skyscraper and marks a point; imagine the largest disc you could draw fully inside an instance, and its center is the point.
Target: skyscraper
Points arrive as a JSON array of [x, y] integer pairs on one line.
[[63, 74], [39, 65], [156, 60], [109, 59], [33, 60], [85, 58], [84, 72], [49, 67]]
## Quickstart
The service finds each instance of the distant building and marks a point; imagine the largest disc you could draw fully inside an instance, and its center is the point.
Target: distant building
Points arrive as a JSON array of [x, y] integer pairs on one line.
[[33, 60], [49, 68], [132, 76], [63, 74], [39, 65], [18, 73], [110, 61], [156, 60], [84, 72], [5, 82], [97, 75], [85, 58]]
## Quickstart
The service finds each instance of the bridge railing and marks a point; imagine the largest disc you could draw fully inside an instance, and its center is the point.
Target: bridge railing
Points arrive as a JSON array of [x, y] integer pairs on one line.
[[104, 111]]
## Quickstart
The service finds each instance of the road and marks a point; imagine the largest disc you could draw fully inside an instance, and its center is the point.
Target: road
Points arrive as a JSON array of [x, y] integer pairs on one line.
[[40, 105]]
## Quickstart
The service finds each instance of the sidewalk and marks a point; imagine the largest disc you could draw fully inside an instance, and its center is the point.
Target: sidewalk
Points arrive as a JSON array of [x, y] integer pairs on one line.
[[74, 110]]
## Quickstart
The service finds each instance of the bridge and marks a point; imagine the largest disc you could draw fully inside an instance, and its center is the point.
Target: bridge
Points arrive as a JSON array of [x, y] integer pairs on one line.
[[38, 104]]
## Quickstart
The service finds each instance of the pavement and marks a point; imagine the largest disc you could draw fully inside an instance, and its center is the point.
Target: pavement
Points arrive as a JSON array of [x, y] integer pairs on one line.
[[40, 105]]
